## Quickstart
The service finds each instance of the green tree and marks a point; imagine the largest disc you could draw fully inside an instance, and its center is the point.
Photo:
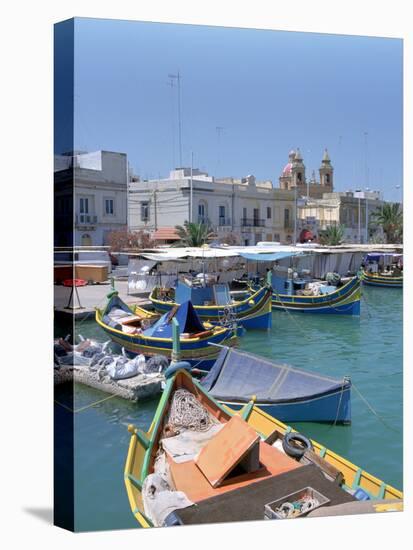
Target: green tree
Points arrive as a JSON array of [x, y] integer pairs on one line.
[[193, 234], [333, 235], [390, 218]]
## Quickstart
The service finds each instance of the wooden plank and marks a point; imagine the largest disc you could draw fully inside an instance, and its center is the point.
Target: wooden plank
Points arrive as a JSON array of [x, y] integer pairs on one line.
[[328, 469], [226, 449]]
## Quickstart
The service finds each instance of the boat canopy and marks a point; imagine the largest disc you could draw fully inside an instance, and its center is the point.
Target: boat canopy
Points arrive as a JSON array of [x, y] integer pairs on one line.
[[376, 256], [187, 318], [237, 376], [269, 257]]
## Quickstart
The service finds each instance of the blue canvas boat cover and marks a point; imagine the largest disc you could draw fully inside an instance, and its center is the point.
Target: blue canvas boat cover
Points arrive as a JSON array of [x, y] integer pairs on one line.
[[186, 316], [376, 256], [268, 257], [237, 376], [116, 303]]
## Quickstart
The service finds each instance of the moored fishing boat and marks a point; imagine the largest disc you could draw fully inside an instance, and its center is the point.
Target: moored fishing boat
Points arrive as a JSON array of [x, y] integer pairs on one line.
[[311, 296], [289, 394], [215, 304], [143, 332], [200, 462], [382, 269]]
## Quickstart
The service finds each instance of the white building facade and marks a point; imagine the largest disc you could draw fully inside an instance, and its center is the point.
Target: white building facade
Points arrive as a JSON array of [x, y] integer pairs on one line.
[[252, 211], [353, 210], [99, 194]]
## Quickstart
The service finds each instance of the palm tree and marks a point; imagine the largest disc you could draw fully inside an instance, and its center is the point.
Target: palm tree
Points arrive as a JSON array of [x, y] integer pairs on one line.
[[333, 235], [193, 234], [390, 217]]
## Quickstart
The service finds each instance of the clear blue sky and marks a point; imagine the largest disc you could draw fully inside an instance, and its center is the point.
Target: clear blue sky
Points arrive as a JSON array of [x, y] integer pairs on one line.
[[270, 91]]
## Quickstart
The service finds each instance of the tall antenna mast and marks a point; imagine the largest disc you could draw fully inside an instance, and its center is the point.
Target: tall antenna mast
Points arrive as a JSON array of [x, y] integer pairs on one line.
[[366, 168], [177, 77], [219, 130], [171, 84]]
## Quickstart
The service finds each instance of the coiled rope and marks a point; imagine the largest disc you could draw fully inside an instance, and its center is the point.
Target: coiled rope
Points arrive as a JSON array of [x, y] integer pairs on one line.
[[187, 412]]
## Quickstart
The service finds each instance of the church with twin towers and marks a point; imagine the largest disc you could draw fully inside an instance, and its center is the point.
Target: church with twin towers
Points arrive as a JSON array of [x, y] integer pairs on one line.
[[293, 176]]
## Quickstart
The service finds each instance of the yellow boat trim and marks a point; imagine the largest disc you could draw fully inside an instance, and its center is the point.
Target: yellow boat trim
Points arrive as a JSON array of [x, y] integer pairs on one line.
[[237, 303], [216, 331], [265, 424]]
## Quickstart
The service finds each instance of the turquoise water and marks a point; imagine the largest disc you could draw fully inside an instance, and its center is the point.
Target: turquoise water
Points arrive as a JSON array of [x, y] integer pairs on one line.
[[368, 349]]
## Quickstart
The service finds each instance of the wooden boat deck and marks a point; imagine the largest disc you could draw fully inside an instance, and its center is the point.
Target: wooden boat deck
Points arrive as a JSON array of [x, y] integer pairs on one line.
[[247, 503], [187, 477]]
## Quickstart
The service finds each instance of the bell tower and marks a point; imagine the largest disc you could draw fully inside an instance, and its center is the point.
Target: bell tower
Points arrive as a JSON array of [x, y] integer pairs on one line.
[[326, 173], [298, 170]]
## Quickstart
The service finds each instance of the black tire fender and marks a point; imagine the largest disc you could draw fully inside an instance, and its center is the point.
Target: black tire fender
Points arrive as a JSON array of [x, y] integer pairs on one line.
[[296, 451]]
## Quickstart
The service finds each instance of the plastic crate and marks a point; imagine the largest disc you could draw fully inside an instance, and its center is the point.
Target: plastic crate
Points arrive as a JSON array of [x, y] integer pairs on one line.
[[270, 509]]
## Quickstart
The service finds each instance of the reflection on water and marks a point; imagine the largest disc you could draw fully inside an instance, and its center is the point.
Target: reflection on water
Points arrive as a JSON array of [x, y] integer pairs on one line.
[[368, 349]]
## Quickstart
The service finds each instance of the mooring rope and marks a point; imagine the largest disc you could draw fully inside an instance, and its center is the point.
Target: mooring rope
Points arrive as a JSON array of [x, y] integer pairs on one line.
[[100, 304], [293, 318], [75, 411], [339, 404], [374, 411], [367, 305]]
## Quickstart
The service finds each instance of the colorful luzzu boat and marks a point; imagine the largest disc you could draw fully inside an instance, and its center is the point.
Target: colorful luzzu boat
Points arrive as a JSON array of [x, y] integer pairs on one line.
[[331, 299], [252, 312], [290, 394], [201, 462], [382, 279], [383, 270], [143, 332]]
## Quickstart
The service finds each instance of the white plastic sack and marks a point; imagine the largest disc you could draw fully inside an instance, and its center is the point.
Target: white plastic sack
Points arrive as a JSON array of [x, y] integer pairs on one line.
[[122, 368], [159, 501]]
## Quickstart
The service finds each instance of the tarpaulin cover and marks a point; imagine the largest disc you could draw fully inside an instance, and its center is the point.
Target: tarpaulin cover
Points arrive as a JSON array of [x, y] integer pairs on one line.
[[187, 318], [376, 256], [116, 303], [268, 257], [237, 375]]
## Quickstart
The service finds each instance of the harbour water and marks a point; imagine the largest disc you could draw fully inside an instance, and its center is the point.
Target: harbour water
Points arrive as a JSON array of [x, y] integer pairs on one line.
[[368, 349]]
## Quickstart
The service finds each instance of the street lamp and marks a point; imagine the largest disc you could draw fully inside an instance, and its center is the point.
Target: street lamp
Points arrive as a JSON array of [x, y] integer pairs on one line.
[[358, 191], [191, 190]]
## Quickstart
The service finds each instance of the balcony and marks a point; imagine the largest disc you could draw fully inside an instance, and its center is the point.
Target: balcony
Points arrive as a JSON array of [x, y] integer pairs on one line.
[[85, 219], [252, 222], [224, 222]]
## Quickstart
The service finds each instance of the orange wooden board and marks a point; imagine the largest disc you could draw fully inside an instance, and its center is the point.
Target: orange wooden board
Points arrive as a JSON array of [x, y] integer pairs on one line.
[[187, 477], [226, 449]]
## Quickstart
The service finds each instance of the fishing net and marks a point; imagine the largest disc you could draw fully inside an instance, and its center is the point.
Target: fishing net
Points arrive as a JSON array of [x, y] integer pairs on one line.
[[157, 363], [187, 412]]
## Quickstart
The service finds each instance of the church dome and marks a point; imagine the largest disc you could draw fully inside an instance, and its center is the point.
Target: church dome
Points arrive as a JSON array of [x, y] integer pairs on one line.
[[287, 169]]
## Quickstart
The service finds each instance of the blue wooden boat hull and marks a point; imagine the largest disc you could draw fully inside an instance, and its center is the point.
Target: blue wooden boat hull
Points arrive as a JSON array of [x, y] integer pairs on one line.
[[295, 395], [252, 313], [195, 346], [334, 408], [377, 280], [199, 355], [344, 301]]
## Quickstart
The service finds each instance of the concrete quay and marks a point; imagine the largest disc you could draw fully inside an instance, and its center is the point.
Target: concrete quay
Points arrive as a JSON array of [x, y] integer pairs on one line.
[[91, 296], [134, 389]]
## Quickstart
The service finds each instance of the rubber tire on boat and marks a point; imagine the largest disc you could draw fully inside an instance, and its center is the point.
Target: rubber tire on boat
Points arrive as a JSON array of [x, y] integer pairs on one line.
[[291, 449]]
